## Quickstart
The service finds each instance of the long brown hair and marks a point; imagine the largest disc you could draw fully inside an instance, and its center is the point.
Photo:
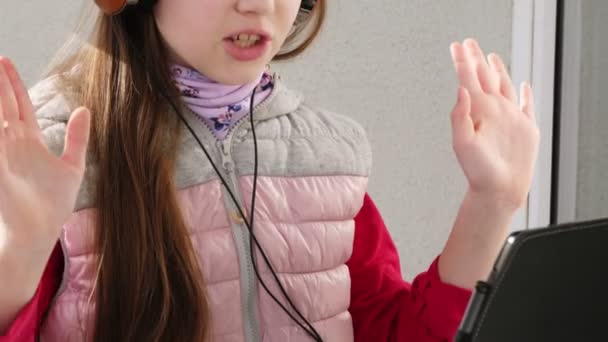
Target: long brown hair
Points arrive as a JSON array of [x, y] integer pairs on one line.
[[149, 286]]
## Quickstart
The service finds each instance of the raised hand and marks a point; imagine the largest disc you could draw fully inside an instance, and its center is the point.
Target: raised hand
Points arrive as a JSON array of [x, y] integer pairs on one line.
[[495, 138], [496, 142], [37, 189]]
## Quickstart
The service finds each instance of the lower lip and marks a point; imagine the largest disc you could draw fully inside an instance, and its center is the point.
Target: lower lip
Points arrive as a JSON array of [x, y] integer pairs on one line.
[[245, 54]]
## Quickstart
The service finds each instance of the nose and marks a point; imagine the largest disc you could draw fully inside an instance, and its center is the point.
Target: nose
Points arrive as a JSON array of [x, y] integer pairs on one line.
[[256, 6]]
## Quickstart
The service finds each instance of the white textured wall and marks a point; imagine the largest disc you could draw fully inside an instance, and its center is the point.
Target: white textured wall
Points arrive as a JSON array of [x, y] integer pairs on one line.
[[592, 187], [31, 31], [384, 62]]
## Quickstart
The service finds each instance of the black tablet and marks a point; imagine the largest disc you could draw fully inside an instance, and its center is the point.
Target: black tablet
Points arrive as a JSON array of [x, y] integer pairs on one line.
[[548, 284]]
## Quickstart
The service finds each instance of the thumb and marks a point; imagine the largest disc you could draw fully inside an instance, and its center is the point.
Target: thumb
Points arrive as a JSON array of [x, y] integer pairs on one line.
[[77, 138], [463, 128]]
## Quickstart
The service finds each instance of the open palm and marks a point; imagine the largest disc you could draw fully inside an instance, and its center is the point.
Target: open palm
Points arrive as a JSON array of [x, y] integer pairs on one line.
[[495, 138], [37, 189]]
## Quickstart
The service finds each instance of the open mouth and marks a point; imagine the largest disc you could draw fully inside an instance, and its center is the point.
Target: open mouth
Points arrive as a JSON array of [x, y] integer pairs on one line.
[[247, 45], [244, 40]]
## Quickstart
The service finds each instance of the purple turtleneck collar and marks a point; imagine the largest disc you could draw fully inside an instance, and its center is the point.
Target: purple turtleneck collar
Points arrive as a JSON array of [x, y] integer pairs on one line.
[[219, 106]]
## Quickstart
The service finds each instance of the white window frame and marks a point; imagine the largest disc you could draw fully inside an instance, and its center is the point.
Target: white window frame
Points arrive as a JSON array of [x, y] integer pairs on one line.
[[570, 112], [533, 60]]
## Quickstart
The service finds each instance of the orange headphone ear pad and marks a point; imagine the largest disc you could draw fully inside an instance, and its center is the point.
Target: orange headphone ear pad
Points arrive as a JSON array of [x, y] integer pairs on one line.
[[111, 7]]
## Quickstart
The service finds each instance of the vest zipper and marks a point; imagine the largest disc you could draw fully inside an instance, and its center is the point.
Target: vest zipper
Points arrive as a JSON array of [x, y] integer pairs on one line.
[[249, 297]]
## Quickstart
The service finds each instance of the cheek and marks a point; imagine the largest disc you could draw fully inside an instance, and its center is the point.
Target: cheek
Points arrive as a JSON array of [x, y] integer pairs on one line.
[[188, 22], [181, 26], [287, 12]]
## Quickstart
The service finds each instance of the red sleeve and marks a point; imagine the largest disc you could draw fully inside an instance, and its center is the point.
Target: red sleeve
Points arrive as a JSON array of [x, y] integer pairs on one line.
[[386, 308], [26, 326]]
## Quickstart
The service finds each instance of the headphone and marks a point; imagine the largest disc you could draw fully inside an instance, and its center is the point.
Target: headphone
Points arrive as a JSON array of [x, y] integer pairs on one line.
[[115, 7]]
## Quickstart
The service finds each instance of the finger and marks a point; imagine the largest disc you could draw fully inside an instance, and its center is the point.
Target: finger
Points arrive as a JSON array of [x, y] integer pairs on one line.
[[77, 138], [467, 75], [7, 96], [2, 128], [506, 85], [24, 104], [487, 77], [463, 128], [527, 101]]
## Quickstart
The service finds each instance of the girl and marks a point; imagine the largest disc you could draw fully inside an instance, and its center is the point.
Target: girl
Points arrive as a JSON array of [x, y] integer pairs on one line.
[[213, 203]]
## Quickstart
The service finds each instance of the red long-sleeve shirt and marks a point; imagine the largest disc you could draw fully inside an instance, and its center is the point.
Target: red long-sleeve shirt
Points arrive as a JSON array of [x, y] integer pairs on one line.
[[384, 307]]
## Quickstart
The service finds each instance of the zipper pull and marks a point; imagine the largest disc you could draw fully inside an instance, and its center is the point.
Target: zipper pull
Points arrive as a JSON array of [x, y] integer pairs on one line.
[[227, 162]]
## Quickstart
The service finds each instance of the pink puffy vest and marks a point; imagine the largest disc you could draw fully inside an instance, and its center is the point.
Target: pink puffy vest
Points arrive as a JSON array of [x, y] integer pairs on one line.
[[312, 179]]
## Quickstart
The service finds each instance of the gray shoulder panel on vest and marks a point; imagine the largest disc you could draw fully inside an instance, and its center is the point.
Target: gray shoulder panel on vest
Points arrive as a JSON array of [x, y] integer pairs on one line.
[[306, 142], [293, 140], [53, 111]]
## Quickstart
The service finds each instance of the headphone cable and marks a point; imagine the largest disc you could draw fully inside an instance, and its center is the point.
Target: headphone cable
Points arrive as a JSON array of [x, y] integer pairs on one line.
[[310, 330]]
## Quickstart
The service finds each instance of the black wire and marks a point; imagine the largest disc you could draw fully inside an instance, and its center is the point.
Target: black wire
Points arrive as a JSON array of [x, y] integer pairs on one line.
[[314, 334]]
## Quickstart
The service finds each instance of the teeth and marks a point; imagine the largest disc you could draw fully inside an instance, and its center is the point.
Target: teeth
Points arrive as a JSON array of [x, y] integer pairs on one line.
[[244, 43], [246, 40], [247, 37]]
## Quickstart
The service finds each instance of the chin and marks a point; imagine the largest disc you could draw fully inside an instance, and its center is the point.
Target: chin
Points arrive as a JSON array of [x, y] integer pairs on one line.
[[237, 78], [237, 74]]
